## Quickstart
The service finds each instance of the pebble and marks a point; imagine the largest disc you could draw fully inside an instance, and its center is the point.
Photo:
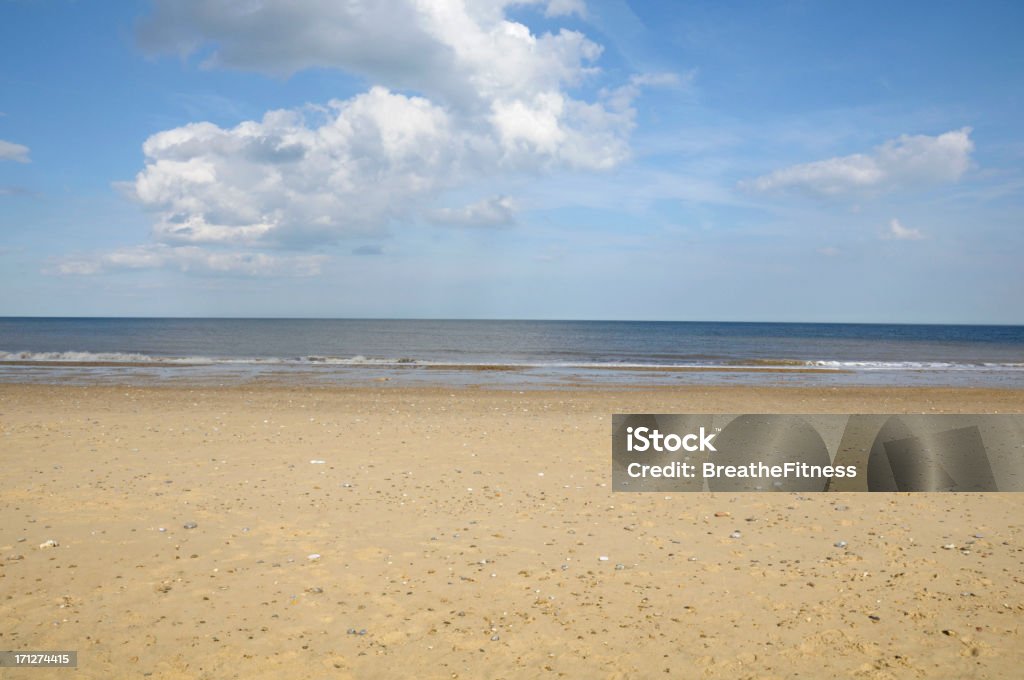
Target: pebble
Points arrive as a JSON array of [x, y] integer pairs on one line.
[[723, 514], [735, 534], [840, 544], [495, 638], [603, 558], [620, 567], [317, 462], [314, 556], [190, 525], [840, 508], [48, 544], [949, 546]]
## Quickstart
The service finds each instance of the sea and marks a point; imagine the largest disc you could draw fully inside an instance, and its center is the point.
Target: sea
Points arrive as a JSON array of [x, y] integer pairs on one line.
[[511, 354]]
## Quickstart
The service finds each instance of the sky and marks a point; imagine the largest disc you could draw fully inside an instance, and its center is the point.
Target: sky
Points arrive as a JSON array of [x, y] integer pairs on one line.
[[817, 161]]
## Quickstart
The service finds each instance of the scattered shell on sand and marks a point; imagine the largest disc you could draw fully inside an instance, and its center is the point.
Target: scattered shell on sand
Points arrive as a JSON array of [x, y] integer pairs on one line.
[[48, 544], [314, 556], [840, 544], [735, 534]]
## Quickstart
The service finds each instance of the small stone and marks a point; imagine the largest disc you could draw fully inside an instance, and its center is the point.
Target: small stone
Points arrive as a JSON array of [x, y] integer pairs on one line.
[[735, 534], [874, 618], [840, 508], [603, 558], [362, 631], [312, 557], [316, 590], [620, 567], [495, 638], [840, 544], [949, 546], [48, 544], [351, 631], [722, 513], [190, 525]]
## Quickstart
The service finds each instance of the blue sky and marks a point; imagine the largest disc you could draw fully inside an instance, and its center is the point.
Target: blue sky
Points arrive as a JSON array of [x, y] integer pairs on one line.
[[790, 161]]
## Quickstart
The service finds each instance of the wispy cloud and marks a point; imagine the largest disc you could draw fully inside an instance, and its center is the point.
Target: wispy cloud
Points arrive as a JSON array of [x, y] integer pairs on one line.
[[898, 163], [16, 191], [9, 151], [898, 232], [490, 212], [190, 259]]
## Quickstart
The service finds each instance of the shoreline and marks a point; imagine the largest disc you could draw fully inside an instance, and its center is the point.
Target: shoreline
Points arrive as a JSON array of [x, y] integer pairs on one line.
[[500, 377]]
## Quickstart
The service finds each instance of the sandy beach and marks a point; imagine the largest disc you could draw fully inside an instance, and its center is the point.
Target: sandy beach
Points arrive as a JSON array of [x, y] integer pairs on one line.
[[458, 533]]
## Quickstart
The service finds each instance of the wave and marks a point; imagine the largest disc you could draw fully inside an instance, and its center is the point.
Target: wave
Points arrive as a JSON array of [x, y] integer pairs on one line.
[[916, 365], [94, 357]]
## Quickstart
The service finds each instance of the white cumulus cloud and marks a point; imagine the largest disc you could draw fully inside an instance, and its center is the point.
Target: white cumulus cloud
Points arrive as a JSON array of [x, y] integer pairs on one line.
[[910, 160], [465, 53], [898, 232], [9, 151], [460, 93]]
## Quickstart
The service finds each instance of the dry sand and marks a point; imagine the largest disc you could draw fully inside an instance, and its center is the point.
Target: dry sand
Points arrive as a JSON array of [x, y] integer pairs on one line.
[[462, 530]]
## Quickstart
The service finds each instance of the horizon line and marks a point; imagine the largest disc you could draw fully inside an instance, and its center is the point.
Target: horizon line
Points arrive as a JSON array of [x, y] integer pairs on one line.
[[503, 319]]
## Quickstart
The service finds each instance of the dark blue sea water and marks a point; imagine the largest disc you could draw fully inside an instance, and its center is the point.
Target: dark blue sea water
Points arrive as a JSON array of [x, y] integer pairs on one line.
[[339, 351]]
